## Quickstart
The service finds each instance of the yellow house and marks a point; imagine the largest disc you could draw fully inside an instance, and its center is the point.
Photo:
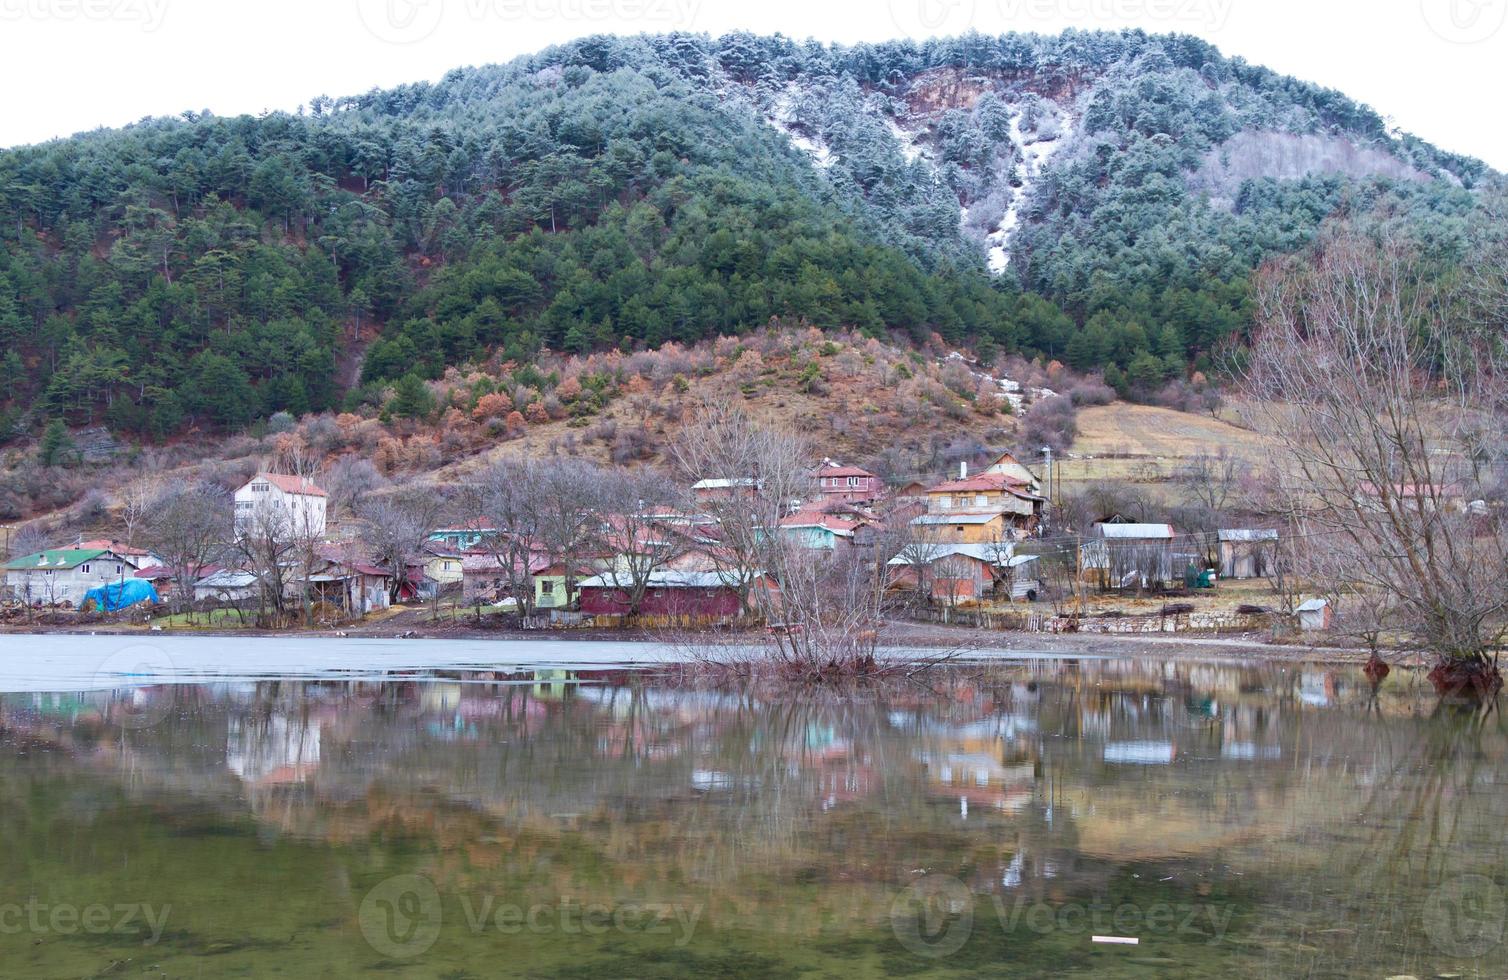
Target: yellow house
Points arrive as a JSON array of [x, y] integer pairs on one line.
[[442, 565], [964, 527], [991, 506]]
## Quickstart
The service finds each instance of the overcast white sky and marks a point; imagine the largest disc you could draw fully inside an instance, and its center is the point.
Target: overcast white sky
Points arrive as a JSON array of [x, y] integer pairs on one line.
[[1438, 68]]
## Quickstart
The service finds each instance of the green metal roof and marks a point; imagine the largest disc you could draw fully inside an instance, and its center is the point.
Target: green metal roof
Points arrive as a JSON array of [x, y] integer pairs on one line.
[[60, 558]]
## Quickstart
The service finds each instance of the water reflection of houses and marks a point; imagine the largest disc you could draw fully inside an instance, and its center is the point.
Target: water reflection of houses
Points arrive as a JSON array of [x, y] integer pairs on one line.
[[595, 782]]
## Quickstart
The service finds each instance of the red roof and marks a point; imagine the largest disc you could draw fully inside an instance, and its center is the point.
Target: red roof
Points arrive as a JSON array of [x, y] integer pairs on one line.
[[105, 544], [827, 471], [158, 572], [808, 518], [292, 484], [983, 481]]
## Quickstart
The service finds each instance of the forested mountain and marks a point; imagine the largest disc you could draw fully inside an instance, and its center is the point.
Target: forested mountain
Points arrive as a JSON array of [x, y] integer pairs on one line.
[[1097, 198]]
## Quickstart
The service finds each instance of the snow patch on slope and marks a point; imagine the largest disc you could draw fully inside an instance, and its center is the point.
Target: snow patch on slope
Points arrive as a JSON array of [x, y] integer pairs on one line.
[[784, 116], [1035, 148], [909, 141], [1011, 391]]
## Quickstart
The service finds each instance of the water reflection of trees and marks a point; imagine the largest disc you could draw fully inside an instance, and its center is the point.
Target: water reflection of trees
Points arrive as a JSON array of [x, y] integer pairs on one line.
[[1320, 810]]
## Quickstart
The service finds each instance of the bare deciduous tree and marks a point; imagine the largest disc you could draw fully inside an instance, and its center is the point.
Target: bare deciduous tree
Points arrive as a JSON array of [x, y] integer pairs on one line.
[[644, 528], [188, 526], [395, 527], [505, 497], [767, 471], [1372, 388]]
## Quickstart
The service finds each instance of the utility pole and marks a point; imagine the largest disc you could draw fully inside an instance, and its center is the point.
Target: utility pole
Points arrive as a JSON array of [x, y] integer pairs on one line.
[[1047, 451]]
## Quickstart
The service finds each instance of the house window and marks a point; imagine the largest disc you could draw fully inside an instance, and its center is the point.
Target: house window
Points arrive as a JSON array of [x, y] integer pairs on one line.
[[547, 588], [86, 569], [981, 500], [853, 481], [960, 528], [260, 488]]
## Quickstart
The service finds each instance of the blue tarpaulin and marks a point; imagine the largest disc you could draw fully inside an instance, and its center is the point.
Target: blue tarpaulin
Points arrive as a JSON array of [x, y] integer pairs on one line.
[[120, 595]]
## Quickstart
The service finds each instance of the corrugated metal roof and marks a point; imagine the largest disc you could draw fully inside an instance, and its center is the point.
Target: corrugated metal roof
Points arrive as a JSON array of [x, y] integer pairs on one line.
[[989, 553], [55, 558], [667, 578], [1139, 532], [1255, 534]]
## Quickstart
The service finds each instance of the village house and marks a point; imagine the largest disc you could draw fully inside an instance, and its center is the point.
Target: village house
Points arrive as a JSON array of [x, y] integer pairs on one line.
[[442, 563], [849, 484], [137, 557], [487, 578], [981, 527], [293, 504], [1247, 553], [818, 530], [468, 537], [550, 586], [1008, 466], [168, 581], [912, 492], [990, 506], [226, 585], [954, 573], [64, 575], [722, 488], [357, 587], [1124, 555]]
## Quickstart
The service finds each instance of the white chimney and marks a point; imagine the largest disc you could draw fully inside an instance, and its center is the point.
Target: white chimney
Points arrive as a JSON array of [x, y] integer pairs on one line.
[[963, 470]]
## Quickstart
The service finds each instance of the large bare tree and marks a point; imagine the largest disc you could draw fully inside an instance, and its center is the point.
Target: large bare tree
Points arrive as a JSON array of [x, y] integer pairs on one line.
[[188, 526], [766, 470], [1373, 388], [506, 498], [644, 528], [396, 526]]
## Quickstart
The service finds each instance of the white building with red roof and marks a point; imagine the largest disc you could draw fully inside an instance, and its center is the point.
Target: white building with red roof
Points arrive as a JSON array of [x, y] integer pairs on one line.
[[295, 503]]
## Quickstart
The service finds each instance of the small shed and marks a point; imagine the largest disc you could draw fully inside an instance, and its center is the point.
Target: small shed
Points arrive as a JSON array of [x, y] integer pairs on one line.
[[1024, 575], [1248, 553], [226, 585], [1314, 615]]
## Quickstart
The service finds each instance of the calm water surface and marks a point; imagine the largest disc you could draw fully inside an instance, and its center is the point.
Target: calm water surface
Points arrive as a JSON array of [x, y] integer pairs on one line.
[[603, 822]]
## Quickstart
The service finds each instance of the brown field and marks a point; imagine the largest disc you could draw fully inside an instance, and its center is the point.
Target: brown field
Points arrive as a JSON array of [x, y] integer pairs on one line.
[[1145, 445]]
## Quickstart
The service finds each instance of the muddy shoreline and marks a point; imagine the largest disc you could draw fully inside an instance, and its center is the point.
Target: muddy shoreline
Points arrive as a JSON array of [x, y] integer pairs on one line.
[[966, 642]]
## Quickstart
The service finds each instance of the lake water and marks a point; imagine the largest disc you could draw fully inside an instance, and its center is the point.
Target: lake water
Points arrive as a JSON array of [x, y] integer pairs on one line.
[[259, 808]]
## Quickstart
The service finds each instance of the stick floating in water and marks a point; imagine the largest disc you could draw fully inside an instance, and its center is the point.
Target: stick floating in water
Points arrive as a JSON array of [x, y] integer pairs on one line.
[[1118, 940]]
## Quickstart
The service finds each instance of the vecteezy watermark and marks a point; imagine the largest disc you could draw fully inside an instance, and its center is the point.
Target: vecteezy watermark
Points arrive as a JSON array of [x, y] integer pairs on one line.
[[409, 21], [63, 919], [401, 917], [147, 13], [918, 18], [934, 917], [138, 706], [1465, 916], [1464, 21]]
